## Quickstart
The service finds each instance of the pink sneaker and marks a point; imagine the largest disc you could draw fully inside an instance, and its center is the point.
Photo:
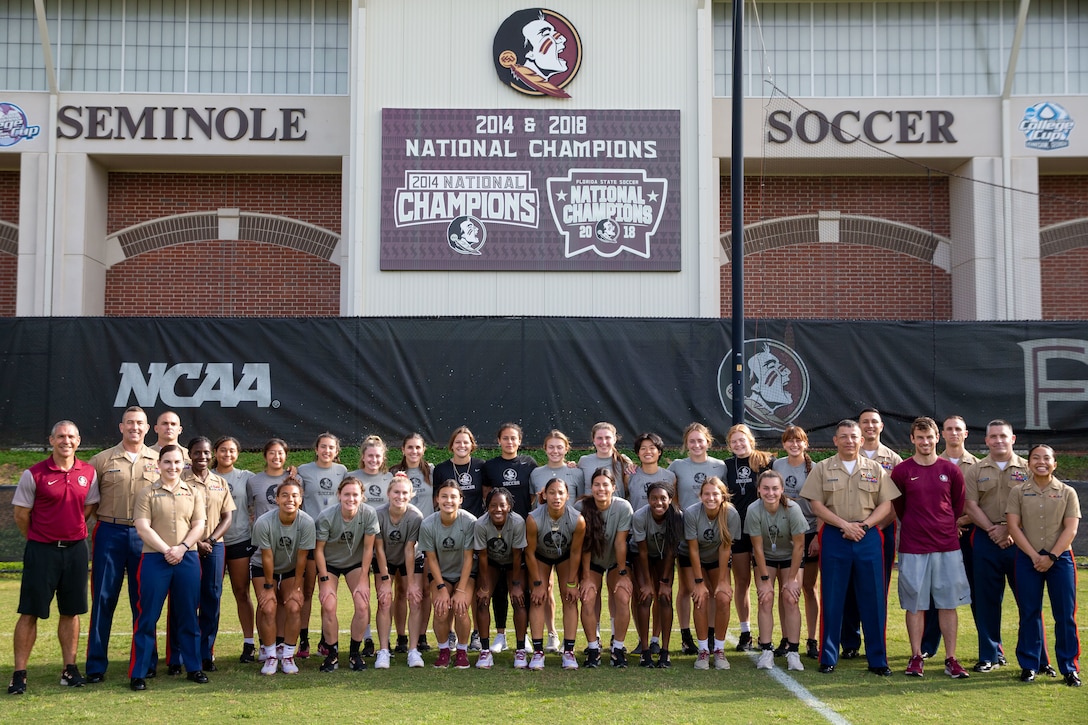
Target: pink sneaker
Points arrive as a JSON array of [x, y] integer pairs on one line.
[[461, 662], [916, 666], [443, 660]]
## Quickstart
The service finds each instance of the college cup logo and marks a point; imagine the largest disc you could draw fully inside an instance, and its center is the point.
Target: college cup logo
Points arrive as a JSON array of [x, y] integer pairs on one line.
[[778, 384], [537, 52]]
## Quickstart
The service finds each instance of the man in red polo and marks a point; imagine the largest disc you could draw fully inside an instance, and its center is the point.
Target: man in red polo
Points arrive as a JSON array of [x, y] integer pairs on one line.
[[52, 503]]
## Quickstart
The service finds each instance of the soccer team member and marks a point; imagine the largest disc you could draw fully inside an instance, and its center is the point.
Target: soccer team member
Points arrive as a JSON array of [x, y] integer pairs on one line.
[[373, 472], [649, 448], [1043, 516], [741, 472], [418, 471], [169, 516], [608, 520], [872, 425], [123, 471], [284, 537], [691, 472], [53, 519], [500, 545], [930, 562], [710, 527], [236, 541], [954, 433], [320, 485], [772, 520], [466, 469], [555, 533], [988, 485], [396, 550], [657, 530], [606, 455], [851, 494], [446, 539], [344, 546]]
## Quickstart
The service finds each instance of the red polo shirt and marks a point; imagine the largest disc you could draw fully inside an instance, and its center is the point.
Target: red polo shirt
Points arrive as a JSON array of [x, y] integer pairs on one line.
[[56, 500]]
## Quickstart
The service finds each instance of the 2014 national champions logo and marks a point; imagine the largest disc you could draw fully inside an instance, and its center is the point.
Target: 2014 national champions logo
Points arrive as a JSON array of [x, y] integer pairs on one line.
[[537, 52], [778, 384]]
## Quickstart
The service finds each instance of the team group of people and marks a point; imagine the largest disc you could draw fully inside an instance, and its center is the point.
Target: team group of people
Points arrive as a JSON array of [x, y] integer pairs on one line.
[[445, 546]]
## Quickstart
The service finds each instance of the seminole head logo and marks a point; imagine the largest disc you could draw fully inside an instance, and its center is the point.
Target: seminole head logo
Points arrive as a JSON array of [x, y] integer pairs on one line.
[[778, 384], [537, 52]]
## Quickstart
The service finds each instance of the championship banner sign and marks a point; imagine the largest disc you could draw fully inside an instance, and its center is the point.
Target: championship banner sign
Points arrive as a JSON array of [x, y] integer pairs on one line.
[[530, 190]]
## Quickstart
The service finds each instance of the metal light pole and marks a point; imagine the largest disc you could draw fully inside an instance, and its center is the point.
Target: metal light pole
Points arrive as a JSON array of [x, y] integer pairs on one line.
[[736, 179]]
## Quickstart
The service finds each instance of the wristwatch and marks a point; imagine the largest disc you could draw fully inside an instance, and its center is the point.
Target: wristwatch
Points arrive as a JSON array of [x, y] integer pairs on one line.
[[764, 578], [441, 586], [665, 581], [537, 583], [385, 577], [269, 585], [323, 578], [698, 580], [623, 572]]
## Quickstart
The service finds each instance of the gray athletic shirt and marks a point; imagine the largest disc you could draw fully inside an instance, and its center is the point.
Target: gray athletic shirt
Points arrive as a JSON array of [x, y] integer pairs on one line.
[[422, 492], [344, 539], [261, 493], [375, 486], [794, 478], [395, 536], [640, 480], [576, 484], [617, 518], [554, 536], [239, 524], [500, 545], [777, 529], [319, 486], [644, 528], [449, 543], [690, 477], [699, 527], [285, 541], [591, 462]]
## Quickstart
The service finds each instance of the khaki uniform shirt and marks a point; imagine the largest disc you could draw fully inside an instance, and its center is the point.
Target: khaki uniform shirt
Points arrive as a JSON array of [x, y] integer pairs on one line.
[[965, 462], [120, 480], [886, 457], [171, 513], [1043, 511], [217, 499], [850, 496], [989, 486]]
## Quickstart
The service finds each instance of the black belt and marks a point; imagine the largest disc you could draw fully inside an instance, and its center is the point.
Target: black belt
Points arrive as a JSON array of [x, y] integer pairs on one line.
[[118, 522], [63, 544]]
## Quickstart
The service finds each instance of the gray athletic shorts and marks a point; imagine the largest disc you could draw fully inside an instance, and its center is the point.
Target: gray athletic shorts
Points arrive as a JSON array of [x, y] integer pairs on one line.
[[938, 576]]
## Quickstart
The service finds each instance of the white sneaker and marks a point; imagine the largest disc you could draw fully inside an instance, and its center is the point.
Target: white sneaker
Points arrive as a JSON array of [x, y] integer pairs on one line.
[[288, 661], [521, 660], [499, 643], [552, 644], [381, 661], [766, 660], [537, 662], [702, 661], [720, 662], [452, 639], [474, 642], [570, 662], [415, 659], [485, 660], [270, 665], [279, 650], [262, 653], [793, 662]]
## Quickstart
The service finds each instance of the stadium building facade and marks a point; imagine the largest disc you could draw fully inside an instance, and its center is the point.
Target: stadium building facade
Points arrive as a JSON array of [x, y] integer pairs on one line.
[[903, 160]]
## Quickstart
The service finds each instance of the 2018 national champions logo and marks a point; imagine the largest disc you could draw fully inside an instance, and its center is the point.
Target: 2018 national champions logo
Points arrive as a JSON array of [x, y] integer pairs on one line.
[[537, 52], [777, 382]]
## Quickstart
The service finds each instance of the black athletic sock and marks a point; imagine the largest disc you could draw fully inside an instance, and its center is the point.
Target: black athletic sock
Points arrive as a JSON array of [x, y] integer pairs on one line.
[[334, 648], [568, 645], [355, 645], [402, 639], [538, 645], [485, 643], [279, 640], [793, 646], [304, 635], [685, 633], [766, 646]]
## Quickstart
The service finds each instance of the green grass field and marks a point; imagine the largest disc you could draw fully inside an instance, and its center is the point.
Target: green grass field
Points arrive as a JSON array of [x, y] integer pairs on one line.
[[679, 695]]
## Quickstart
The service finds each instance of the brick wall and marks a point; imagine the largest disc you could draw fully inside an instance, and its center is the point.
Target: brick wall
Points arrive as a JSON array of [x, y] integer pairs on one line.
[[918, 201], [9, 212], [135, 198], [833, 281], [1062, 199], [236, 279], [1065, 285]]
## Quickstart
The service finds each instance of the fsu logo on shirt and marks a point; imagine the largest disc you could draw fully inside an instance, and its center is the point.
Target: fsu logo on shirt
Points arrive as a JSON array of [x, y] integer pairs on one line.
[[537, 52]]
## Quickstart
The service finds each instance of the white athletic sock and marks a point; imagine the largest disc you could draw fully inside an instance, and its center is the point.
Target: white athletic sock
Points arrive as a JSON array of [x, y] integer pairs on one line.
[[702, 645], [596, 644], [366, 634], [444, 644], [655, 640], [462, 647], [618, 644], [745, 627], [247, 640], [719, 644], [288, 650]]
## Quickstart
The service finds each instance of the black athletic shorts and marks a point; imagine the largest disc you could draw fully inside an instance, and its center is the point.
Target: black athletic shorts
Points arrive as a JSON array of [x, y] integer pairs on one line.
[[809, 559], [783, 564], [50, 569], [337, 571], [685, 563], [552, 562], [600, 569], [240, 550], [394, 569], [258, 571], [743, 545]]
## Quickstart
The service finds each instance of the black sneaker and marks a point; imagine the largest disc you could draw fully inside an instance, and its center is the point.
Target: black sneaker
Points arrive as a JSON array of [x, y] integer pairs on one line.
[[593, 658], [422, 645], [18, 683], [1049, 671], [401, 647], [655, 648], [663, 661], [71, 677], [619, 659], [209, 666], [331, 663], [688, 646], [368, 648], [812, 649], [646, 660], [744, 642], [358, 664], [247, 655], [1072, 679], [783, 646]]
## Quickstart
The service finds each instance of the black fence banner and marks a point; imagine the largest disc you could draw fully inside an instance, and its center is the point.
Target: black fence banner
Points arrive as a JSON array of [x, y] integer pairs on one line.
[[294, 378]]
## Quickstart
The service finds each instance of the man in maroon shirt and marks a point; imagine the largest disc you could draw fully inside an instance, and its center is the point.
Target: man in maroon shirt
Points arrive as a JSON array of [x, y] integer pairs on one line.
[[52, 503], [930, 562]]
